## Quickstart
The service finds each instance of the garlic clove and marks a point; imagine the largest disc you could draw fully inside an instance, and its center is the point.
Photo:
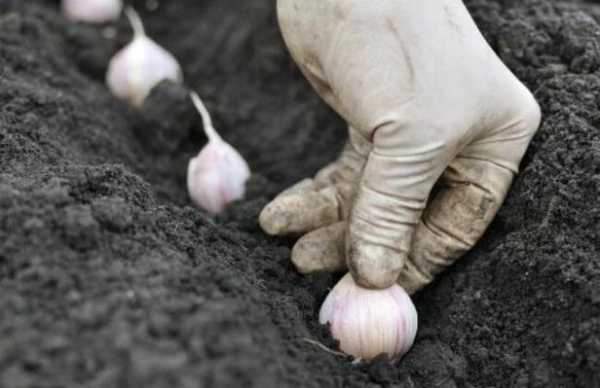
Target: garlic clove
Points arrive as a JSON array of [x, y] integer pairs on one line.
[[218, 175], [92, 11], [369, 322], [140, 66]]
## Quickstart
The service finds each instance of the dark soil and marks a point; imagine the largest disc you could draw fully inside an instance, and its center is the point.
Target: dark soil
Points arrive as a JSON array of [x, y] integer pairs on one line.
[[110, 278]]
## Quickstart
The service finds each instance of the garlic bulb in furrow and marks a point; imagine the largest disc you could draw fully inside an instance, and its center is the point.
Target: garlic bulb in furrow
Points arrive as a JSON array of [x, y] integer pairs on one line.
[[218, 175], [370, 322], [92, 11], [140, 66]]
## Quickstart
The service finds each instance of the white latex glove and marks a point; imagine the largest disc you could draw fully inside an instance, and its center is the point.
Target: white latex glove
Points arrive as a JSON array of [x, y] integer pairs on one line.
[[425, 98]]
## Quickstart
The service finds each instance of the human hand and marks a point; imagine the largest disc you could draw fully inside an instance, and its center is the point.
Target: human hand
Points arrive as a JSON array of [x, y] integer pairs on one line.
[[427, 100]]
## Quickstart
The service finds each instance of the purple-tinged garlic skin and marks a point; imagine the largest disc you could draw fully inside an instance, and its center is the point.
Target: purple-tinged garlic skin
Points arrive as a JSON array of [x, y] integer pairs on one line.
[[92, 11], [218, 175], [140, 66], [369, 322]]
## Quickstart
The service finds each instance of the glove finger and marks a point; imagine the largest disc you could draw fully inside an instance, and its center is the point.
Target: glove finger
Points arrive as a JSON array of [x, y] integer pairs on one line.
[[305, 185], [298, 213], [393, 191], [470, 195], [349, 165], [321, 250], [312, 204]]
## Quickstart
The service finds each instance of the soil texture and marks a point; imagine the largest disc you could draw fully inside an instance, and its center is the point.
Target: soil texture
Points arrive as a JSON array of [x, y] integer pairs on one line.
[[109, 277]]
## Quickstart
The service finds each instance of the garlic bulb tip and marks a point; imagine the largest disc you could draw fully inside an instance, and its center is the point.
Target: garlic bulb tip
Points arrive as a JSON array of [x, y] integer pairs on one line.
[[135, 21]]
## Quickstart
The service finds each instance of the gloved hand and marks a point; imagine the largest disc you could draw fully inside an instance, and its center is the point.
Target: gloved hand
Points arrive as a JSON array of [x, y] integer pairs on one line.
[[427, 100]]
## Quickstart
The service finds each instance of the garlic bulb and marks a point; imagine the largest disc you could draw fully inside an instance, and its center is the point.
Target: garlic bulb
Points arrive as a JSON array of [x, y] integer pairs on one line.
[[140, 66], [368, 322], [92, 11], [218, 175]]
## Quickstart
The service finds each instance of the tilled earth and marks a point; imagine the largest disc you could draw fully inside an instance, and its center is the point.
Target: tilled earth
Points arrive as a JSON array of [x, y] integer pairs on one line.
[[110, 278]]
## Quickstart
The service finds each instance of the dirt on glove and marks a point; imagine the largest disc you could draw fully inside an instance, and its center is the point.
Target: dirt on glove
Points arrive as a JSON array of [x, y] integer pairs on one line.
[[110, 278]]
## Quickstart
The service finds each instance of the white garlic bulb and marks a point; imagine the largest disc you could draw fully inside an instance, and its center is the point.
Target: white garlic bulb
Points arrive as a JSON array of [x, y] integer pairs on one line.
[[367, 322], [218, 175], [140, 66], [92, 11]]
